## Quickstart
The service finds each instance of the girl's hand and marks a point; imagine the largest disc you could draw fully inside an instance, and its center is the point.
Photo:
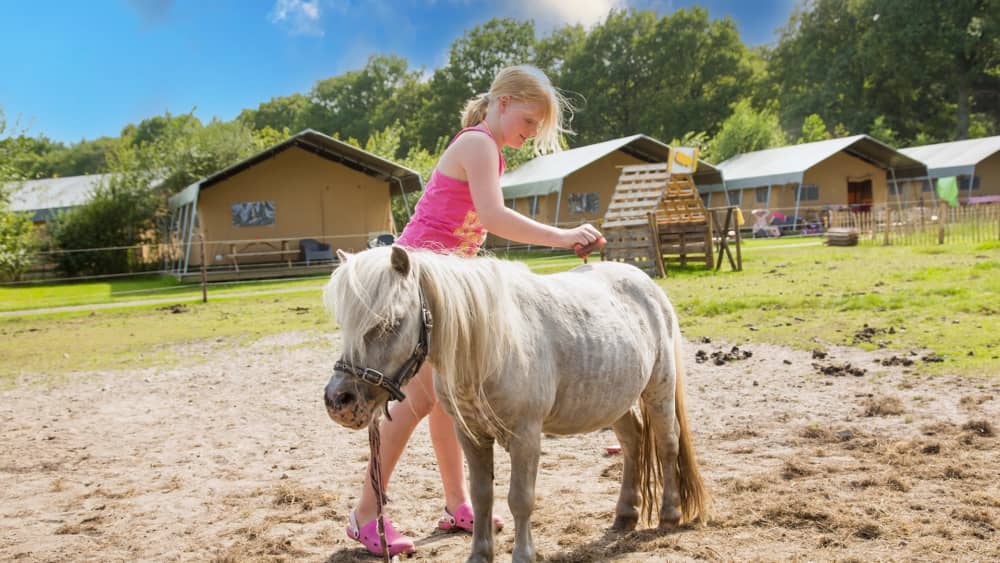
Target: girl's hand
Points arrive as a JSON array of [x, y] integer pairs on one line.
[[584, 235]]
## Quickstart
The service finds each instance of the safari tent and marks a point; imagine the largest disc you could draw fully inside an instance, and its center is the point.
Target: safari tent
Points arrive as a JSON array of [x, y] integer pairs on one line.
[[45, 198], [575, 186], [853, 172], [975, 162], [310, 186]]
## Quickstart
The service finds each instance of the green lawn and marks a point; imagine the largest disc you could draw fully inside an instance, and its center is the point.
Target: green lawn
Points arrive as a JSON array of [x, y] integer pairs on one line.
[[943, 300], [16, 298], [930, 299]]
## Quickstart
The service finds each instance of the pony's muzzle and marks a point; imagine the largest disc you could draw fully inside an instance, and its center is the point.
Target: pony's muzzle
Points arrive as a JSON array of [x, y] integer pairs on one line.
[[346, 407], [338, 399], [341, 400]]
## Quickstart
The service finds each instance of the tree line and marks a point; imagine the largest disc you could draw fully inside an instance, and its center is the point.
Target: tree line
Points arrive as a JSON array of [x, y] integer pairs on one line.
[[908, 72]]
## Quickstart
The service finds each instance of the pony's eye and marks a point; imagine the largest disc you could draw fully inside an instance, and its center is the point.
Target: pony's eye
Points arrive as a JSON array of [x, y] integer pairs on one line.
[[382, 330]]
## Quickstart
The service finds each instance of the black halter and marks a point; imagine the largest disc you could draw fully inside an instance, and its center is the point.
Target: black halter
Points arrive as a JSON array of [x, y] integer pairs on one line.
[[405, 372]]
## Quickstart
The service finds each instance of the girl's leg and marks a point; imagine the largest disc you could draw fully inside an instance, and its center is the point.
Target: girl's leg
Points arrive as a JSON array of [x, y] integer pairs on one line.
[[449, 458], [394, 434]]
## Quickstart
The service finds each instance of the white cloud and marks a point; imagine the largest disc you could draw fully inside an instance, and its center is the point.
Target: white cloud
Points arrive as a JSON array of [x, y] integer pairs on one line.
[[299, 17], [554, 13]]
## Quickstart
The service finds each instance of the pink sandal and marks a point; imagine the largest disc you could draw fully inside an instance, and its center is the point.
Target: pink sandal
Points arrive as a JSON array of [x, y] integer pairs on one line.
[[368, 536], [463, 519]]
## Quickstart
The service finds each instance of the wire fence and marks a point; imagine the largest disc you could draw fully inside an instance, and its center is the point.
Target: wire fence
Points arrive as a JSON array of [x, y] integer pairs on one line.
[[279, 257], [892, 224]]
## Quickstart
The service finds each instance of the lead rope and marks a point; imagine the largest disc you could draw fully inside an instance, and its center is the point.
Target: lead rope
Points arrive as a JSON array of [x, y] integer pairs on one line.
[[375, 474]]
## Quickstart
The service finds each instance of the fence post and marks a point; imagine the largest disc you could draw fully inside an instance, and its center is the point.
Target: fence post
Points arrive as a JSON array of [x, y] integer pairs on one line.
[[888, 225], [204, 273], [941, 210]]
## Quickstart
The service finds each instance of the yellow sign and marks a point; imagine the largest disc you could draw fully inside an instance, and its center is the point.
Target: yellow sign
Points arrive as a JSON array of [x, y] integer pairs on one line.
[[683, 160]]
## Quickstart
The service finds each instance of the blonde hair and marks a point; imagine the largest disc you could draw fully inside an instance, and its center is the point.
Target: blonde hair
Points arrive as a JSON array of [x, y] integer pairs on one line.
[[525, 83]]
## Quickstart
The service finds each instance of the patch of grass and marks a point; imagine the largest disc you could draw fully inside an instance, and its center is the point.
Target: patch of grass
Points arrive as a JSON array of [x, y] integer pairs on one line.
[[148, 335], [38, 296], [804, 296], [792, 292]]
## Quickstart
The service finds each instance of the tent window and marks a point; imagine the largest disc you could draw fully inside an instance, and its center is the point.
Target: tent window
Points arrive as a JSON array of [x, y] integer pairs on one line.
[[705, 199], [926, 186], [735, 197], [510, 203], [584, 202], [534, 206], [963, 183], [253, 213], [895, 189], [761, 195], [810, 192]]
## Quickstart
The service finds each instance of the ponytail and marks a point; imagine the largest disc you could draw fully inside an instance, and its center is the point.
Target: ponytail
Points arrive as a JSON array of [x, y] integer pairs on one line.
[[475, 110]]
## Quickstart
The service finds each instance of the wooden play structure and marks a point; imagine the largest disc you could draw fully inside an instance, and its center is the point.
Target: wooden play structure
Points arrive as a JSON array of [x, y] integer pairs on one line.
[[656, 216]]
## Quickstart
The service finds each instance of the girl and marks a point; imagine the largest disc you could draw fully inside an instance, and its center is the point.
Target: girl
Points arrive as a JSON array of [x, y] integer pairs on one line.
[[462, 201]]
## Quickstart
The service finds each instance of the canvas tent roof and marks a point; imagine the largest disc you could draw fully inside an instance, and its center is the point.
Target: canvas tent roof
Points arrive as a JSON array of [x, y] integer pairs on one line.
[[401, 178], [48, 196], [957, 158], [545, 174], [788, 165]]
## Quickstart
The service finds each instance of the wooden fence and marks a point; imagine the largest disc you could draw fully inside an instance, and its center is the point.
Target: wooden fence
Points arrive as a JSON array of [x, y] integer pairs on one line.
[[917, 226]]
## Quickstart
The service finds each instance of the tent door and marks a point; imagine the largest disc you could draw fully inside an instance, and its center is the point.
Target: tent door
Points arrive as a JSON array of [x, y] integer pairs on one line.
[[860, 193]]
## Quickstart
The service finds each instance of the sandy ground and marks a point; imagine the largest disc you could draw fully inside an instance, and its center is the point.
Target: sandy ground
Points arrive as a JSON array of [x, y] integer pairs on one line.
[[234, 459]]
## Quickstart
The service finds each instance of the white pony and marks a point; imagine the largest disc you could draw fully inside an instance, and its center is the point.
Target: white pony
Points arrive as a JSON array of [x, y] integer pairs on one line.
[[517, 354]]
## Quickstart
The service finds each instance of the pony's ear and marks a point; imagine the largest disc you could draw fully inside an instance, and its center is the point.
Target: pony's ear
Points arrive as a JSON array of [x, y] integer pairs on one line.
[[400, 261], [343, 256]]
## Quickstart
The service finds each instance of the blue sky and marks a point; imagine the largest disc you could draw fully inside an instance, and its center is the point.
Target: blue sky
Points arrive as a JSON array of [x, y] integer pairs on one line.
[[72, 69]]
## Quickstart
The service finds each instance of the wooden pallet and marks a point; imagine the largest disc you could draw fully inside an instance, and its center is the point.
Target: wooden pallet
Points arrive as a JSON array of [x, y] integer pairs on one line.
[[656, 212]]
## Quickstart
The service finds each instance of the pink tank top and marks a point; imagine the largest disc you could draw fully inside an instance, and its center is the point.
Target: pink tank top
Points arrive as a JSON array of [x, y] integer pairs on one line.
[[445, 219]]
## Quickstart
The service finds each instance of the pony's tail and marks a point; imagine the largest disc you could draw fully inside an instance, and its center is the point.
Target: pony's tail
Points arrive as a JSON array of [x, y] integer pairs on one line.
[[649, 471], [695, 500], [694, 497]]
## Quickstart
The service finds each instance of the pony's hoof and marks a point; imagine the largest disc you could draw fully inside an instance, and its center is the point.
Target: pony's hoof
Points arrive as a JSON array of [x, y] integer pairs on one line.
[[625, 523], [669, 524]]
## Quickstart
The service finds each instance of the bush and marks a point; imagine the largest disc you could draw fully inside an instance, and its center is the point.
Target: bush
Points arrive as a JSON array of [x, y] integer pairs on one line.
[[120, 216], [18, 242]]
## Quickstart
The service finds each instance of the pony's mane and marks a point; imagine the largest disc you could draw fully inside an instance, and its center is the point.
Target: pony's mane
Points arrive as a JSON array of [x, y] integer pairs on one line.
[[478, 326]]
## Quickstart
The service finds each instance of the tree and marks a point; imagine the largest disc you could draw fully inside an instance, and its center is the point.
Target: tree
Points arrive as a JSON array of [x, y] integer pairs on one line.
[[12, 149], [746, 130], [701, 67], [813, 129], [359, 102], [186, 151], [554, 50], [660, 76], [818, 65], [18, 243], [931, 69], [283, 112], [473, 60], [613, 72], [268, 137], [99, 236], [18, 240], [946, 54], [880, 130]]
